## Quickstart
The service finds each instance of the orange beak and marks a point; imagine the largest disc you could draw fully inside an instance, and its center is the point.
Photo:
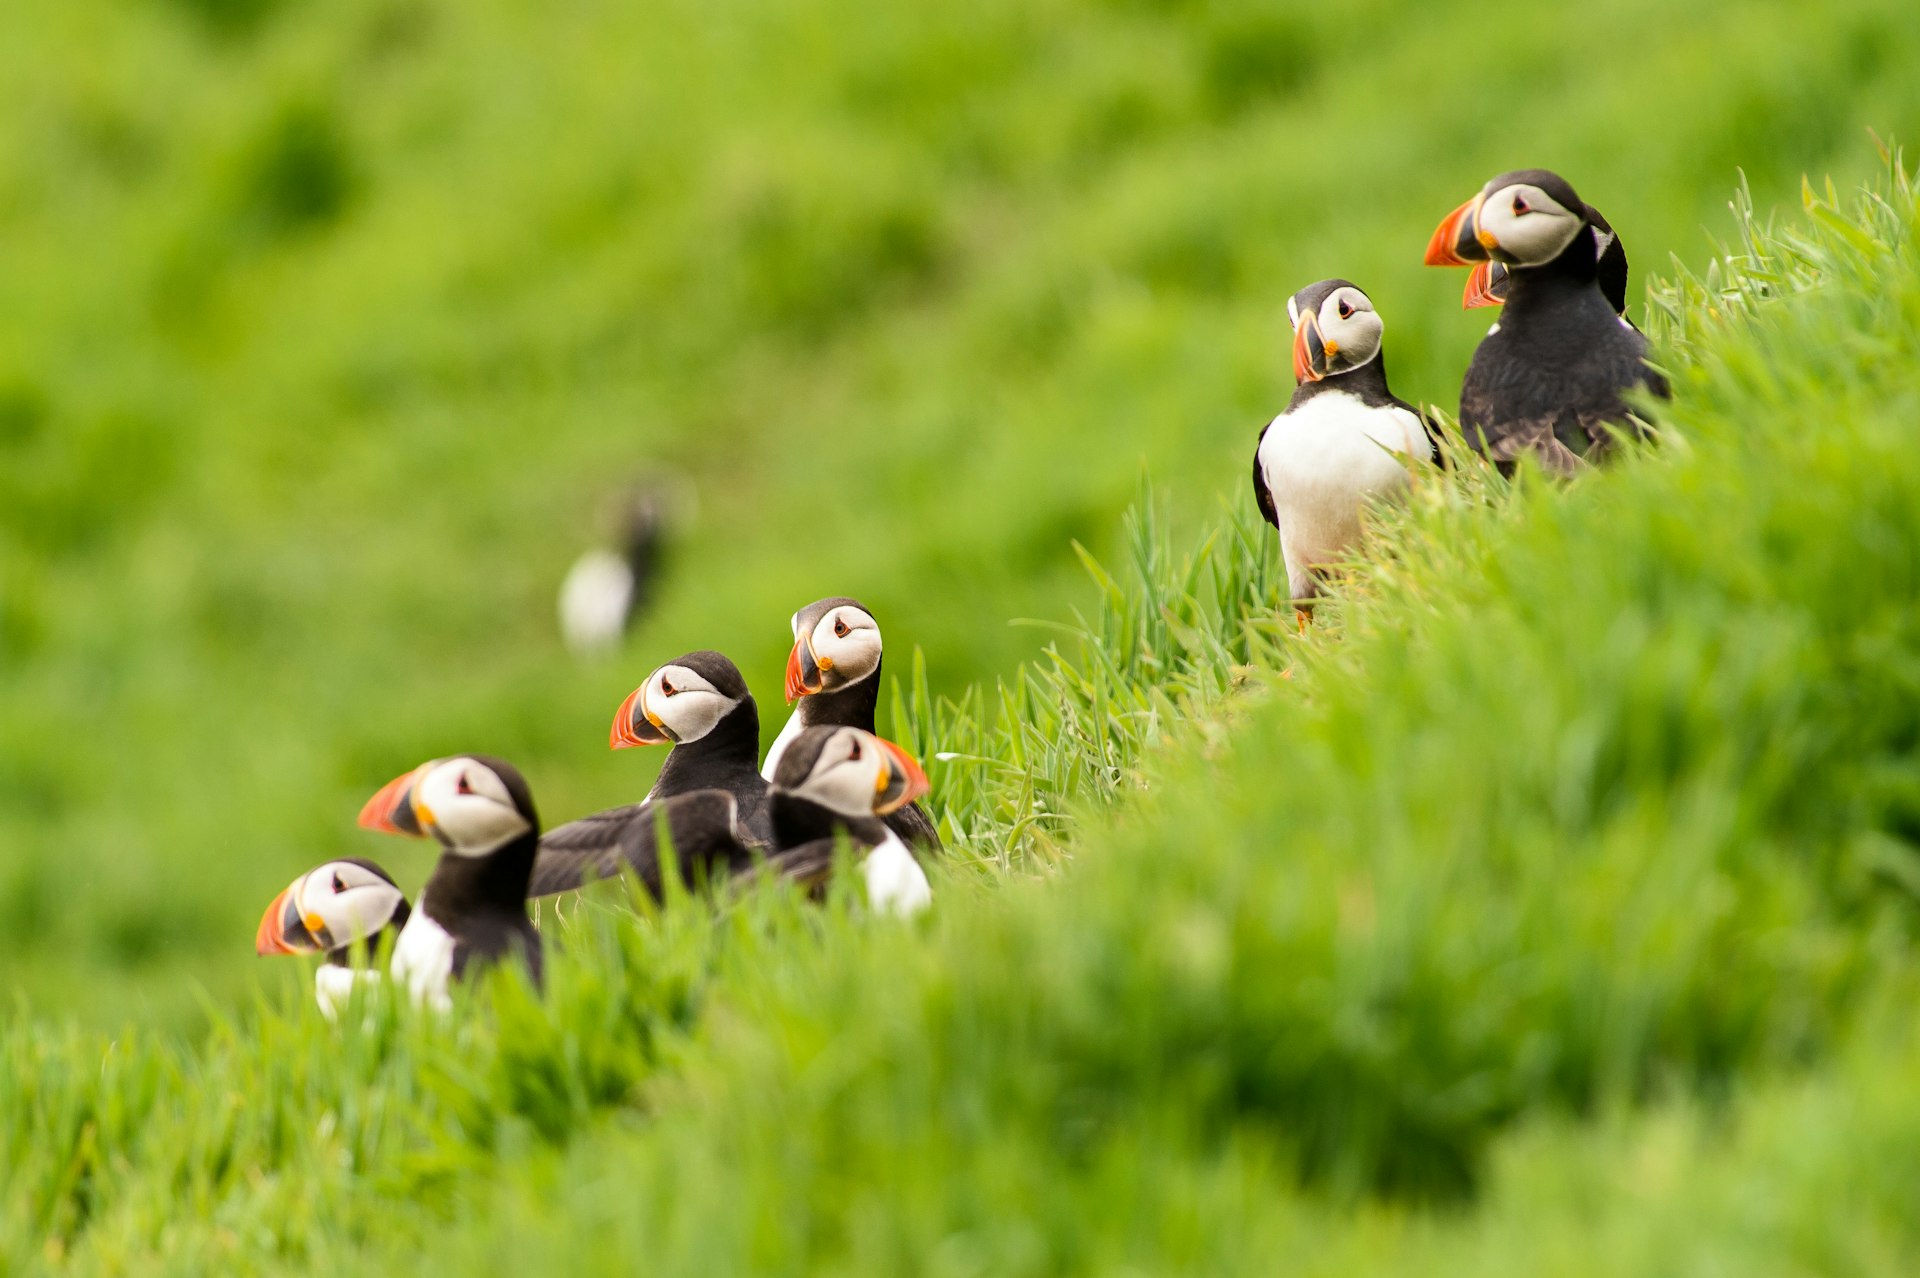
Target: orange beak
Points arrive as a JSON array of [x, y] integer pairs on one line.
[[630, 729], [1480, 288], [803, 673], [907, 780], [390, 804], [272, 936], [1310, 351], [1444, 249]]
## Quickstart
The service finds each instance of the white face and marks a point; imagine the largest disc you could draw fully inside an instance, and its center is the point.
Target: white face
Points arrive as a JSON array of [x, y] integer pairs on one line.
[[1528, 227], [465, 804], [684, 703], [1350, 329], [341, 903], [850, 775], [846, 645]]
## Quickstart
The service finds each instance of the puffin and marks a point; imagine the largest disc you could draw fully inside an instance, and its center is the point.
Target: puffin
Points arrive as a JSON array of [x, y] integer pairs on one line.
[[1488, 281], [473, 911], [835, 782], [833, 673], [609, 586], [1343, 440], [700, 706], [346, 909], [1551, 377]]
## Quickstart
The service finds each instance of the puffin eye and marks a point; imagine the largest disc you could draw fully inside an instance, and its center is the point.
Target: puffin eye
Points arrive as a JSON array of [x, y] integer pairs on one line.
[[1520, 205], [666, 686], [840, 627], [462, 785], [339, 884], [1346, 309], [853, 755]]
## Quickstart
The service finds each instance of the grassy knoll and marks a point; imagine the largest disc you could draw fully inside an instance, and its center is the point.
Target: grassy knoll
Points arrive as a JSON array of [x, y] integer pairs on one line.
[[1556, 915], [324, 328]]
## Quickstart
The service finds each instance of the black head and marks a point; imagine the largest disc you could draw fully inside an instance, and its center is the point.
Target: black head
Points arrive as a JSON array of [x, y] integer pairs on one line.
[[330, 907], [1523, 219], [849, 771], [1335, 330], [836, 643], [680, 702]]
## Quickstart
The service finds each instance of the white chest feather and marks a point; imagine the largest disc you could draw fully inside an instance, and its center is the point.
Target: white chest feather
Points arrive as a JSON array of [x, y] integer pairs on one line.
[[423, 960], [780, 744], [1324, 462], [594, 600], [895, 882], [333, 987]]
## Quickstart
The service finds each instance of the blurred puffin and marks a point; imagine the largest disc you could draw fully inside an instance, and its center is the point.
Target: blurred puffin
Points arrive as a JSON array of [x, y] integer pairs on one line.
[[838, 781], [1343, 440], [1488, 281], [609, 586], [833, 782], [473, 910], [332, 909], [700, 706], [1550, 377], [833, 673]]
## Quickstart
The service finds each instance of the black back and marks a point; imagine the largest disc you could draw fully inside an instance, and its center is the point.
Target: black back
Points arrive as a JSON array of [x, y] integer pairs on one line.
[[707, 844]]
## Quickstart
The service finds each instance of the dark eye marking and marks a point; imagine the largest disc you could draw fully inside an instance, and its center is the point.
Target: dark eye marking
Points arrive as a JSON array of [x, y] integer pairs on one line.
[[462, 786], [339, 884], [1520, 205], [840, 627], [666, 686], [1346, 309], [853, 756]]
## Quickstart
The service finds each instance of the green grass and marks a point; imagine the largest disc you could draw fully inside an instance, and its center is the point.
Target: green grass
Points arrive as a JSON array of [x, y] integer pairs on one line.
[[325, 328], [1556, 914]]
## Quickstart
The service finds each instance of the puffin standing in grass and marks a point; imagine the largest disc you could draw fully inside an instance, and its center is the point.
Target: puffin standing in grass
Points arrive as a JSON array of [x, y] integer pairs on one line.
[[1489, 281], [473, 910], [699, 705], [833, 673], [838, 782], [346, 909], [709, 793], [1551, 377], [1343, 440]]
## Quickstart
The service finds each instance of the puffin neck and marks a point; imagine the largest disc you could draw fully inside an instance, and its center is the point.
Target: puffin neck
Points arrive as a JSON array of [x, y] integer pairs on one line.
[[1369, 381], [848, 707], [732, 746], [798, 820], [1566, 283], [491, 884]]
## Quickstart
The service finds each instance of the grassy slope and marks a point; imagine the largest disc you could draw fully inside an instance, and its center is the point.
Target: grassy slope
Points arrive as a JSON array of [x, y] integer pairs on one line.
[[323, 327], [1568, 886]]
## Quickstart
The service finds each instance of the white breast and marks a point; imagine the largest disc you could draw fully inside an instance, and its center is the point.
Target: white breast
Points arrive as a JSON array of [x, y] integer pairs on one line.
[[895, 882], [333, 987], [1323, 463], [423, 960], [594, 600], [780, 744]]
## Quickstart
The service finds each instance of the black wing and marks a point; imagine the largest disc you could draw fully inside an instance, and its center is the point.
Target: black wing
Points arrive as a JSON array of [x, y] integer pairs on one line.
[[915, 827], [1261, 496], [626, 840]]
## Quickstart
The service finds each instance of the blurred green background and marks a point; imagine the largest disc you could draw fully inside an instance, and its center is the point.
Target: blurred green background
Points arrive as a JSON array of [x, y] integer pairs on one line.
[[327, 330]]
